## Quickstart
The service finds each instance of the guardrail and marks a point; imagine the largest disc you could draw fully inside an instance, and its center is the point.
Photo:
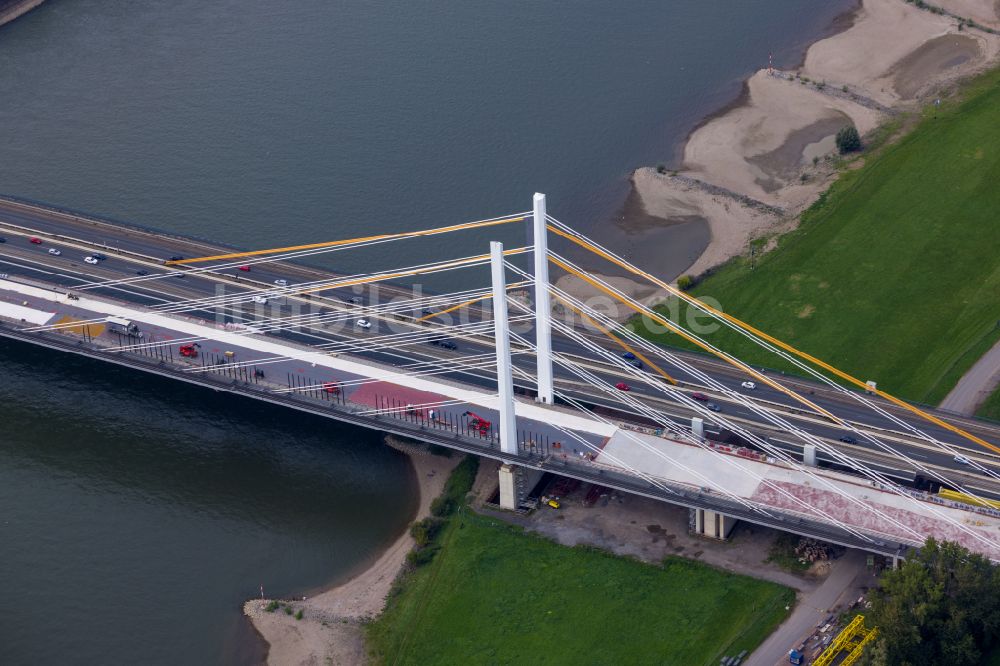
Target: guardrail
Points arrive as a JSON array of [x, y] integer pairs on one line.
[[399, 421]]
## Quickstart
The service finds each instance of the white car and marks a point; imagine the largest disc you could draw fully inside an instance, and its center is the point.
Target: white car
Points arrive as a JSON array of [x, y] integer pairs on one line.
[[364, 323], [54, 251], [281, 283], [748, 385], [962, 460], [91, 260], [259, 299]]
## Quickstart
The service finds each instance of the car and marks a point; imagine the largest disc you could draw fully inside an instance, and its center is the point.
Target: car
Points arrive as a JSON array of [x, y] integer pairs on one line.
[[697, 395], [141, 272], [443, 343], [176, 257], [53, 251], [714, 407], [260, 300], [2, 239], [91, 260], [748, 385], [962, 460], [178, 274], [637, 364], [281, 283], [363, 323], [849, 439], [245, 269], [98, 256], [35, 240], [356, 300], [628, 356], [622, 386]]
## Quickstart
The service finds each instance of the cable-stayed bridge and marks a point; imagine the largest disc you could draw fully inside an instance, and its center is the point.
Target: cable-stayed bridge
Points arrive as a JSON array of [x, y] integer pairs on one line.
[[579, 394]]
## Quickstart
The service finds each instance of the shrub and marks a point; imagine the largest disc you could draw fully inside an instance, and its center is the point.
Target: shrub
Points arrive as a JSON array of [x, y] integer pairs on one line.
[[442, 507], [685, 282], [298, 616], [288, 610], [421, 556], [661, 168], [848, 139], [424, 531], [271, 607]]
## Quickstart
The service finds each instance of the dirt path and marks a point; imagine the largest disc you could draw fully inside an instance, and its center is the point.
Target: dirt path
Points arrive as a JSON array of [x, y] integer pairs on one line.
[[812, 608], [975, 385]]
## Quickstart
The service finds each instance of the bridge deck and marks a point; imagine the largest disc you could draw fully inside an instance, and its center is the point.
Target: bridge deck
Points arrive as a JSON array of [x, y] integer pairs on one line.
[[622, 452]]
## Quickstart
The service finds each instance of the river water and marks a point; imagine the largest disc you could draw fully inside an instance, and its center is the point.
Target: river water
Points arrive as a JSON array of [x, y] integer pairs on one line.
[[136, 515]]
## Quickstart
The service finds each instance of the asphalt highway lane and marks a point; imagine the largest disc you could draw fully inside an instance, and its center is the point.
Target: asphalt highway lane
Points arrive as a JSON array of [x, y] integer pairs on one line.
[[130, 249]]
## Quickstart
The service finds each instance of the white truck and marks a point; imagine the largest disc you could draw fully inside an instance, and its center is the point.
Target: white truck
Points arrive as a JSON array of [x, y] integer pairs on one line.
[[124, 327]]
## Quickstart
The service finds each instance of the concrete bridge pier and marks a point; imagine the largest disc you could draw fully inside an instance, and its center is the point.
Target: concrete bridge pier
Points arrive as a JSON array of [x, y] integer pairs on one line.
[[712, 524], [508, 487]]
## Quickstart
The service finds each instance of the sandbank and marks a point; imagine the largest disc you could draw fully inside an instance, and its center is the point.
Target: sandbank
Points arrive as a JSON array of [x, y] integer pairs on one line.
[[753, 167], [331, 631]]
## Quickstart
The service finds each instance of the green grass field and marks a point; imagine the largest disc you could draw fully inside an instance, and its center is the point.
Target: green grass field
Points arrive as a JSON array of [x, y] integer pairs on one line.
[[495, 595], [991, 408], [894, 274]]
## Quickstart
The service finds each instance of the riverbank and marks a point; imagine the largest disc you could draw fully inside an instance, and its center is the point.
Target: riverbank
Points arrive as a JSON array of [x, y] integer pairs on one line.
[[12, 9], [329, 629], [751, 169]]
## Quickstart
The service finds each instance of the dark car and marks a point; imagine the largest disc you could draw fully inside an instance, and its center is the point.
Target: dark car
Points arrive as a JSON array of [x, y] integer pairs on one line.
[[700, 396], [628, 356], [849, 439], [98, 256], [714, 407], [142, 272], [176, 257], [2, 239], [637, 364], [444, 344]]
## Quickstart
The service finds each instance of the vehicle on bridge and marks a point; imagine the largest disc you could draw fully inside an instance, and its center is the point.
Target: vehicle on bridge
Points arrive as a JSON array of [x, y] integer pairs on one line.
[[91, 260], [364, 323], [189, 351], [124, 327], [54, 252], [34, 240], [245, 269], [443, 343], [260, 300], [331, 387], [478, 423], [622, 386], [748, 385]]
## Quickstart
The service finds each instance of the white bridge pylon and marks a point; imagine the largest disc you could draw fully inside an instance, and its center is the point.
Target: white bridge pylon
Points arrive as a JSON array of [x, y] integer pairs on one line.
[[505, 381], [543, 303]]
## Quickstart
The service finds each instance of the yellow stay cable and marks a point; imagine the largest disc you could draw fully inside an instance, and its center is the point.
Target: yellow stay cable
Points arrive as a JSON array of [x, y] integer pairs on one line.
[[747, 327]]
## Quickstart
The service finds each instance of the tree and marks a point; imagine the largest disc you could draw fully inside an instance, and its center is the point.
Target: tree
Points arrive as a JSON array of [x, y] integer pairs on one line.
[[941, 607], [848, 139], [685, 282]]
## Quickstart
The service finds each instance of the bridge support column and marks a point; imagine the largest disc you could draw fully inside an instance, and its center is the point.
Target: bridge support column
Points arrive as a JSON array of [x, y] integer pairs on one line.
[[712, 524], [508, 487], [505, 384], [698, 427], [543, 304], [809, 454]]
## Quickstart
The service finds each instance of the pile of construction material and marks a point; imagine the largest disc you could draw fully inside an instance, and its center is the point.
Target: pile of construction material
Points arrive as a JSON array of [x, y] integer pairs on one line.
[[811, 550]]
